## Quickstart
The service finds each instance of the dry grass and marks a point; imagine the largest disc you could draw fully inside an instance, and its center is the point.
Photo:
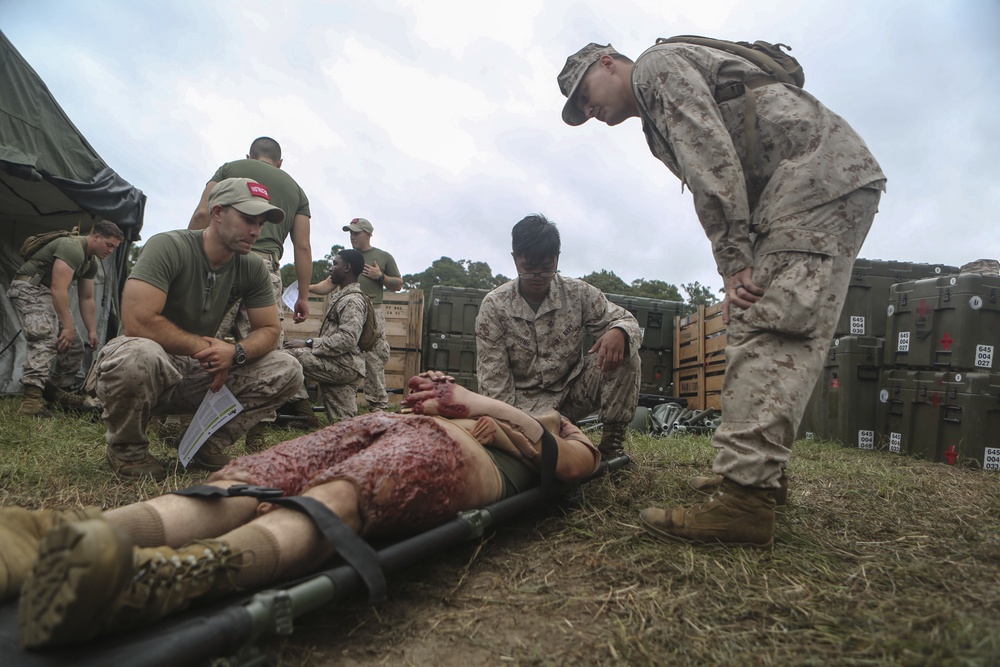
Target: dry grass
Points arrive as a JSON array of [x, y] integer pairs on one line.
[[879, 560]]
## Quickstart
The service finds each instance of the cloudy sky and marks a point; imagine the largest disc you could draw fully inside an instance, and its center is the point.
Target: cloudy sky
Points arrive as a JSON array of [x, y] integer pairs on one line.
[[440, 120]]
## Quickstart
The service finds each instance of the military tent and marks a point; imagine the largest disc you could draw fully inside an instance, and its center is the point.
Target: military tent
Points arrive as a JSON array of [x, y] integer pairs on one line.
[[51, 178]]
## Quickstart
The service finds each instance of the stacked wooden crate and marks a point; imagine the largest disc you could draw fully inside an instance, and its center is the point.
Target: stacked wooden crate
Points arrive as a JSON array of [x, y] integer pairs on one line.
[[404, 317], [700, 357]]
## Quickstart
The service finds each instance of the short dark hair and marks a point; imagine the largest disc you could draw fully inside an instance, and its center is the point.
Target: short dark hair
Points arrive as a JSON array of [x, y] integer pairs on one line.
[[354, 259], [108, 230], [536, 238], [265, 147]]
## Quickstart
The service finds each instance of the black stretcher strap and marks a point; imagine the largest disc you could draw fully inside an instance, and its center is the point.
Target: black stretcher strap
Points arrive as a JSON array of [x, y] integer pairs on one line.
[[236, 490], [358, 553]]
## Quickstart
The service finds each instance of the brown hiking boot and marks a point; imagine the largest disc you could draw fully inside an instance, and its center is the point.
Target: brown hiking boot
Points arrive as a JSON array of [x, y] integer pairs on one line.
[[612, 440], [67, 400], [207, 458], [255, 441], [303, 408], [21, 531], [33, 404], [89, 580], [735, 515], [710, 484], [145, 467]]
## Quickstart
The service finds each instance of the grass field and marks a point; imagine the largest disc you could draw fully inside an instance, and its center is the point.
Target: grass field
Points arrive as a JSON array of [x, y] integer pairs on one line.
[[878, 560]]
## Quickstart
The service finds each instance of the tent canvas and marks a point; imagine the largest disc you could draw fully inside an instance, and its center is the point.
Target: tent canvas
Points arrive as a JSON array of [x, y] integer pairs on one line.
[[51, 178]]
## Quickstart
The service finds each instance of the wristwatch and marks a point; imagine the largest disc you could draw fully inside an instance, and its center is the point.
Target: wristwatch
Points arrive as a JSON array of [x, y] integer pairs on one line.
[[240, 357], [309, 343]]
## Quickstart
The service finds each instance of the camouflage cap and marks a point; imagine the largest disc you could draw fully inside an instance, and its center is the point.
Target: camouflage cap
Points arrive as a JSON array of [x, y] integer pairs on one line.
[[572, 74], [246, 196], [986, 267], [359, 225]]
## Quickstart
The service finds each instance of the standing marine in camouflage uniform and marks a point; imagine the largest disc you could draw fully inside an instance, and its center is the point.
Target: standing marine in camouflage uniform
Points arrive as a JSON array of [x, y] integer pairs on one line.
[[334, 360], [182, 284], [40, 296], [380, 274], [529, 341], [786, 207]]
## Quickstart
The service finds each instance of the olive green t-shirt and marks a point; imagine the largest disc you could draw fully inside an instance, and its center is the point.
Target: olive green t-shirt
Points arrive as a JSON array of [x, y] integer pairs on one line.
[[285, 193], [70, 249], [386, 263], [198, 297]]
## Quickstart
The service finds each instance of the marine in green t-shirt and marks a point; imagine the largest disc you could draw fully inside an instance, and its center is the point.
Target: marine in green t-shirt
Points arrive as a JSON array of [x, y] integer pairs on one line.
[[40, 294], [263, 165]]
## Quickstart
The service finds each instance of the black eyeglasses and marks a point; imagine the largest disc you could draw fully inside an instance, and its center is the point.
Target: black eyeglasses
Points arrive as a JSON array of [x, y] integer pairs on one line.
[[209, 286], [537, 274]]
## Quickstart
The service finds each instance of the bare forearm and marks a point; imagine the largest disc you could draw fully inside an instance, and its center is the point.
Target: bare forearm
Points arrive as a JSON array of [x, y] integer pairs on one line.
[[60, 302], [261, 341], [168, 335], [87, 313]]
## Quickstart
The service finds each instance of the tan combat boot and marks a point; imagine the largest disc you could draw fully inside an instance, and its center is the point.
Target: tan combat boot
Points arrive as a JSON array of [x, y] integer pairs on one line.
[[303, 408], [33, 404], [67, 400], [145, 467], [709, 484], [89, 581], [735, 515], [211, 457], [255, 441], [612, 440], [21, 531]]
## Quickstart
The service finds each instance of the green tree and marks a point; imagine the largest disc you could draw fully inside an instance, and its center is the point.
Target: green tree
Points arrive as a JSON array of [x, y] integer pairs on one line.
[[608, 282], [320, 272], [655, 289], [446, 271], [699, 295]]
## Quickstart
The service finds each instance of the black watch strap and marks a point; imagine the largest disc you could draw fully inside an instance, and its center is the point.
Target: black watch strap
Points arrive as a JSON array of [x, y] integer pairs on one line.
[[309, 343]]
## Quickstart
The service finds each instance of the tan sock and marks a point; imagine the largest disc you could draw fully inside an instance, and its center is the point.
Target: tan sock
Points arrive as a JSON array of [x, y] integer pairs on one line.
[[261, 555], [142, 522]]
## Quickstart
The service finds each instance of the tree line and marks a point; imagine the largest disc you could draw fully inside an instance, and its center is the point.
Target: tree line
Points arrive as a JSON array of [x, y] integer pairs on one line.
[[478, 275]]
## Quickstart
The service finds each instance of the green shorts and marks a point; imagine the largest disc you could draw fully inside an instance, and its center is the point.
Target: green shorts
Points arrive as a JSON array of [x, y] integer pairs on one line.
[[517, 476]]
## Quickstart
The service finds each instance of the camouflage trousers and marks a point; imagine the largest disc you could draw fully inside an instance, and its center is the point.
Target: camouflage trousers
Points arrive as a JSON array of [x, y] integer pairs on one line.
[[236, 317], [375, 361], [338, 384], [775, 348], [137, 379], [613, 395], [40, 325]]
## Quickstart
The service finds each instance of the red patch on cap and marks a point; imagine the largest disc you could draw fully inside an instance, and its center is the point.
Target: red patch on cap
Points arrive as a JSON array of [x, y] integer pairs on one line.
[[353, 221], [258, 190]]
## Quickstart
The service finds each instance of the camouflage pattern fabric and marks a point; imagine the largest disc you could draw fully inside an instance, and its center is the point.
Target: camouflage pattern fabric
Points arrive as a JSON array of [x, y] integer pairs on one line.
[[804, 155], [535, 361], [795, 207], [137, 379], [986, 267], [40, 324], [776, 348], [375, 361], [335, 362]]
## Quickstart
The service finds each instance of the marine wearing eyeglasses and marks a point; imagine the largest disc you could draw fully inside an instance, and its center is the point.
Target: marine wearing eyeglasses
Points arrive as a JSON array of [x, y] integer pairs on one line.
[[181, 287], [529, 340]]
